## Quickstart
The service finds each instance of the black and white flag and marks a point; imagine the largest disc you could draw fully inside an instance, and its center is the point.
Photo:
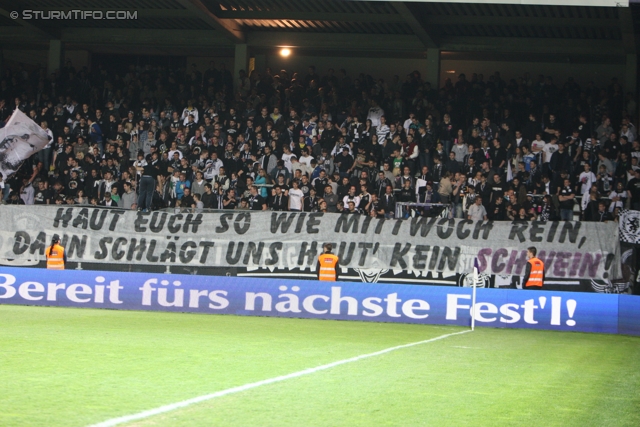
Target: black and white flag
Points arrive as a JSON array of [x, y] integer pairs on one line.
[[19, 139]]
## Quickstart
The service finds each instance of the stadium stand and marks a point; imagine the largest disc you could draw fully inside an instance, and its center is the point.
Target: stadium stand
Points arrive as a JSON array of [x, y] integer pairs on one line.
[[351, 144]]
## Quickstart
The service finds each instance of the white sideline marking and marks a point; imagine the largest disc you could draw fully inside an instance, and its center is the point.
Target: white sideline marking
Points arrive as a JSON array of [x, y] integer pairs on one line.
[[173, 406]]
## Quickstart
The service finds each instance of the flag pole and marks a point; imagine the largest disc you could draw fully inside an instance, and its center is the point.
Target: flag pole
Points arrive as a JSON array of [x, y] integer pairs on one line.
[[473, 298]]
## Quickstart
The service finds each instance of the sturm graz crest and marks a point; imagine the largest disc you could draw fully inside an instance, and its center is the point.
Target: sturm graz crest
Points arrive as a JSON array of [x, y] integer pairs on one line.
[[466, 280], [629, 226], [370, 275]]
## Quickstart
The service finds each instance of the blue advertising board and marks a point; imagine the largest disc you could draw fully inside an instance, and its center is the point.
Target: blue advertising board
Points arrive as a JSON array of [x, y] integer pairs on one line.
[[629, 315], [585, 312]]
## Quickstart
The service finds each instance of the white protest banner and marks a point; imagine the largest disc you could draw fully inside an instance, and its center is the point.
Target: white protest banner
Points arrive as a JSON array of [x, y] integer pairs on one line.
[[294, 240]]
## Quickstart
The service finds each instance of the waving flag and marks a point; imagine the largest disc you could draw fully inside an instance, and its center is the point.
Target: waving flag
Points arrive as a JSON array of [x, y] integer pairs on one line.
[[19, 139]]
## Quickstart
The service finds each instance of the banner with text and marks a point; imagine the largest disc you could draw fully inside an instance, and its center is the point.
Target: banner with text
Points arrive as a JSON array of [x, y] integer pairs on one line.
[[586, 312], [293, 240]]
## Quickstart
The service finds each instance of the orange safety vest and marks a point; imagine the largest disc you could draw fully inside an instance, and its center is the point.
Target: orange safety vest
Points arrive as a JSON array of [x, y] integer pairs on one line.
[[327, 267], [537, 273], [55, 257]]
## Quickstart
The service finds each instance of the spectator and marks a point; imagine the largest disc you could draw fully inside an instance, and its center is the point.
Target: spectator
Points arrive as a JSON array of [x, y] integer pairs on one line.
[[296, 197], [128, 198], [590, 205], [229, 201], [187, 199], [198, 184], [199, 205], [477, 212], [208, 197], [618, 198], [255, 201], [388, 203], [587, 179], [27, 192], [445, 188], [196, 133], [602, 214], [261, 182], [547, 213], [351, 195], [566, 198]]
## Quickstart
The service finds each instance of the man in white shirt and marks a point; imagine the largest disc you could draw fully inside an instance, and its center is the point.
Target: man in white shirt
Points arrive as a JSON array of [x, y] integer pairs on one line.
[[477, 212], [375, 112], [351, 197], [537, 145], [295, 197], [27, 192], [305, 158], [618, 197], [625, 131], [549, 149], [407, 123], [296, 165], [631, 127], [212, 168], [190, 110], [631, 173], [286, 157], [173, 150], [587, 178]]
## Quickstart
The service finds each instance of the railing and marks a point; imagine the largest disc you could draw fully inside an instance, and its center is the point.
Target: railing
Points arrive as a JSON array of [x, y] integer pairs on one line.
[[403, 209]]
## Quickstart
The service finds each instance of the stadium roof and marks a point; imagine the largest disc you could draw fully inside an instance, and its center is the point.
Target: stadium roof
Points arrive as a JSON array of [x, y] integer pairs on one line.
[[381, 28]]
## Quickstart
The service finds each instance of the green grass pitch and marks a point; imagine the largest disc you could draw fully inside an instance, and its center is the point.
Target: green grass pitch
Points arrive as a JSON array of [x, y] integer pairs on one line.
[[75, 367]]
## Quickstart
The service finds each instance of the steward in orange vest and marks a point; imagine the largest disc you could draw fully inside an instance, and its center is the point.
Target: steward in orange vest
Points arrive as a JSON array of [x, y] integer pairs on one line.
[[534, 273], [327, 268], [56, 258]]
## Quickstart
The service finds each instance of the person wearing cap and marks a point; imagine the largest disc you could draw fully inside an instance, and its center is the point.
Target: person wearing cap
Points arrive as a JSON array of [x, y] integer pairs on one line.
[[327, 268], [56, 256]]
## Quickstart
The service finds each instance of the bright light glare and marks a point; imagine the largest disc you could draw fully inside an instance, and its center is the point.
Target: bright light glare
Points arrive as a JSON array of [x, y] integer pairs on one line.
[[285, 52]]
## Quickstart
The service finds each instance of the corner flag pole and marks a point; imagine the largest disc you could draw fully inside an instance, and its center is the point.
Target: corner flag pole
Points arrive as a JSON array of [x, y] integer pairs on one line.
[[473, 298]]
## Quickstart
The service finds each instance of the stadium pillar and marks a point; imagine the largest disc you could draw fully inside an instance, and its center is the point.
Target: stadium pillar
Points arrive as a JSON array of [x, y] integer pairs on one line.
[[631, 74], [433, 68], [55, 56], [261, 62], [240, 63]]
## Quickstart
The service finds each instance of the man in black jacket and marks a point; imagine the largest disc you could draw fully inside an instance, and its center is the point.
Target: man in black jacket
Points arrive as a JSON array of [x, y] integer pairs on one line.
[[560, 161], [381, 184], [279, 201], [208, 197], [311, 201], [602, 215], [388, 202]]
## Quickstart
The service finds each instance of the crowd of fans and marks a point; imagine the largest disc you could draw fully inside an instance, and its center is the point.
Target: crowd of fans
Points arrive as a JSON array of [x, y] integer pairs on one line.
[[151, 138]]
